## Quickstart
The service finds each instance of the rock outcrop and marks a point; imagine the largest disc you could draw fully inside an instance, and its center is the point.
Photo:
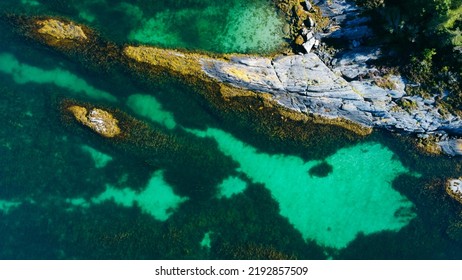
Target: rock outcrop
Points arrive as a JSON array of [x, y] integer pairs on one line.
[[100, 121], [61, 30], [451, 147], [271, 79], [305, 84], [454, 188]]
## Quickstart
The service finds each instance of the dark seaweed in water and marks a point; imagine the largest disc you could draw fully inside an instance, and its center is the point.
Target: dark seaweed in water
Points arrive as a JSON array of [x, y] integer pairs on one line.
[[321, 170]]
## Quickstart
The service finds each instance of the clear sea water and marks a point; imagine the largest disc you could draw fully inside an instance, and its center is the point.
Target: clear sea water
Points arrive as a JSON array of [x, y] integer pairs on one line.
[[220, 188]]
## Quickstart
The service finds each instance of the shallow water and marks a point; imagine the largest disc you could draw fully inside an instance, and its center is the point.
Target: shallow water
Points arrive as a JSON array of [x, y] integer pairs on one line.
[[65, 193], [224, 26]]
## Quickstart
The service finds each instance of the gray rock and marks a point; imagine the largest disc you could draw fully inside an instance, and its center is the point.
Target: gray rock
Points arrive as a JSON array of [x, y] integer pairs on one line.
[[309, 44], [311, 22], [303, 83], [353, 33], [452, 147], [370, 92], [308, 5]]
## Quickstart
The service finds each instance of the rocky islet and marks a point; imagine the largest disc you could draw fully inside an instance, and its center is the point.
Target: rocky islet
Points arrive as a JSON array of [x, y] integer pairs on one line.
[[98, 120]]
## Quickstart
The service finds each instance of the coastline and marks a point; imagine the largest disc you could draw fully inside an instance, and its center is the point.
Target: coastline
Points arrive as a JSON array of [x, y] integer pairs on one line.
[[301, 87]]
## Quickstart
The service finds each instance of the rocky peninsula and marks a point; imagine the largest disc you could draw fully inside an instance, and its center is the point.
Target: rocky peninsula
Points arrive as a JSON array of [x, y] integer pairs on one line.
[[344, 88]]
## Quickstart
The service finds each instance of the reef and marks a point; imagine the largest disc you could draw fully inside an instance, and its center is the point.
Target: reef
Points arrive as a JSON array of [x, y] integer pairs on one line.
[[98, 120]]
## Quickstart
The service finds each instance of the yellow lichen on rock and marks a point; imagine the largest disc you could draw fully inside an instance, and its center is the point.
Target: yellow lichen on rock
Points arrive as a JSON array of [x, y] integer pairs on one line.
[[429, 145], [241, 73], [61, 30], [100, 121], [182, 63]]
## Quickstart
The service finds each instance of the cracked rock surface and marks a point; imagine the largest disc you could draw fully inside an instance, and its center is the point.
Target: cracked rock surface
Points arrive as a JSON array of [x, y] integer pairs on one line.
[[305, 84]]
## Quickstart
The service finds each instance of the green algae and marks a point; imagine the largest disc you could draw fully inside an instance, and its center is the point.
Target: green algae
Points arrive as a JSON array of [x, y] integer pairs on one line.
[[357, 197], [100, 159], [24, 73], [231, 186], [147, 106]]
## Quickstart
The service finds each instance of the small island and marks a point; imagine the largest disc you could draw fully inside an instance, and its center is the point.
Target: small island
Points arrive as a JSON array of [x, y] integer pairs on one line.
[[98, 120]]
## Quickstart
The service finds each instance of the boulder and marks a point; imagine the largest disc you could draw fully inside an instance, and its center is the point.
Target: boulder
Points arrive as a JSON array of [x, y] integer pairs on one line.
[[308, 5], [61, 30], [452, 147], [310, 41], [100, 121], [454, 188]]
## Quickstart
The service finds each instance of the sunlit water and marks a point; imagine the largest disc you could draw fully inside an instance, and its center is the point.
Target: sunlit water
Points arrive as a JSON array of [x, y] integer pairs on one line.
[[66, 193]]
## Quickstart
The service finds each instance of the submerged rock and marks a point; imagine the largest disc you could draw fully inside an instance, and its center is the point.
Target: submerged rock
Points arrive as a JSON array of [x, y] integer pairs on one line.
[[454, 188], [100, 121], [61, 30]]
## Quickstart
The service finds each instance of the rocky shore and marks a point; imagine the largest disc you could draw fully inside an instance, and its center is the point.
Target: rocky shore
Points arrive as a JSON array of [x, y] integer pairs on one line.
[[342, 88], [345, 84], [303, 83]]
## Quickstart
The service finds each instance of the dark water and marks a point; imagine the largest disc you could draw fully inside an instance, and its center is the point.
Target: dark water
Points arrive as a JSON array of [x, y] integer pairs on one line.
[[216, 187]]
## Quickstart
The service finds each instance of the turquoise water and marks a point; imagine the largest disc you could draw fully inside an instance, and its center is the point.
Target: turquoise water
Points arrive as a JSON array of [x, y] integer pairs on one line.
[[356, 197], [228, 193], [224, 26]]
